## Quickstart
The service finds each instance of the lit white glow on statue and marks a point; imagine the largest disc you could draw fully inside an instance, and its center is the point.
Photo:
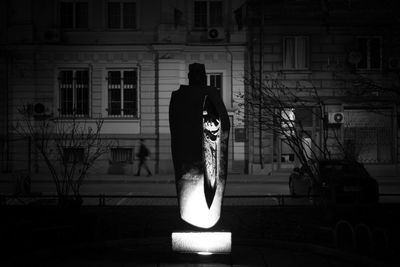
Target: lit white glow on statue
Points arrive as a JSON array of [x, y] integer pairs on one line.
[[199, 125]]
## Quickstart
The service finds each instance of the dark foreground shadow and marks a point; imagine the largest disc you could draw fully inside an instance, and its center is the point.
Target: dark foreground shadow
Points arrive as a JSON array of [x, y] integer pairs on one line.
[[140, 235]]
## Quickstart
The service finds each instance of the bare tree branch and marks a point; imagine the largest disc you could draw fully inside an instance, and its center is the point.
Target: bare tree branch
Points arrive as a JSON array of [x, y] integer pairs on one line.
[[69, 147]]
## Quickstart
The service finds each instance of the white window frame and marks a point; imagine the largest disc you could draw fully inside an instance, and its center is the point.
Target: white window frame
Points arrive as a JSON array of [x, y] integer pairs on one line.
[[122, 69], [74, 17], [74, 94], [209, 74], [121, 19], [368, 59], [296, 56], [223, 93], [208, 14]]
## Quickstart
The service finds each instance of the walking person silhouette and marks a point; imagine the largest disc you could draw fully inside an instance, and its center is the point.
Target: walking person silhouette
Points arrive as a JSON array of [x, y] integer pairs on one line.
[[143, 154]]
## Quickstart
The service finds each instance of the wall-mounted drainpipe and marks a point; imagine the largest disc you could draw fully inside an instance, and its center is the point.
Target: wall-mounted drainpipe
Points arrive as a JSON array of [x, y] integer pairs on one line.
[[7, 143], [156, 109], [7, 81], [261, 33]]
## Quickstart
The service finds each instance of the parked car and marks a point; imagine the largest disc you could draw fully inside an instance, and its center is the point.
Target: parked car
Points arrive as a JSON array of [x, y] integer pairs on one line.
[[300, 183], [336, 181]]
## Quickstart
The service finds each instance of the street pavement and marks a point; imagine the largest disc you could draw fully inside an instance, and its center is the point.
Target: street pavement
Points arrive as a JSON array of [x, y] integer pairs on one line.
[[241, 189], [134, 229], [141, 236]]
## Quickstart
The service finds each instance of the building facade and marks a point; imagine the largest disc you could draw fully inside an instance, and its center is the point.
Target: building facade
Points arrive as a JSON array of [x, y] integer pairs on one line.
[[347, 53], [118, 61]]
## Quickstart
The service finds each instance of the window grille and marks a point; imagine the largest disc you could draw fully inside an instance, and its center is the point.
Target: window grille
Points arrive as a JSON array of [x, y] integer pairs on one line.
[[122, 155], [74, 93], [122, 93], [369, 144]]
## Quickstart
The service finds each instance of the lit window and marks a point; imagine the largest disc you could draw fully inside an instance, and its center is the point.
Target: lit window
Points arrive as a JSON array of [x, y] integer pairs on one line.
[[300, 118], [370, 52], [74, 93], [121, 15], [207, 14], [74, 15], [121, 155], [288, 123], [122, 93], [295, 53]]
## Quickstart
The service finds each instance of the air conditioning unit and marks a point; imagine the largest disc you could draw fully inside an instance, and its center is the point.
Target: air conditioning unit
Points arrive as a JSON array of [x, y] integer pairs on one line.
[[51, 36], [39, 111], [354, 57], [216, 34], [394, 63], [335, 117]]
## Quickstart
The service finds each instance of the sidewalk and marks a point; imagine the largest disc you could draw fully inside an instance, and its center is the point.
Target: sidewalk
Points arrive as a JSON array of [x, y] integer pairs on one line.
[[170, 178], [274, 178]]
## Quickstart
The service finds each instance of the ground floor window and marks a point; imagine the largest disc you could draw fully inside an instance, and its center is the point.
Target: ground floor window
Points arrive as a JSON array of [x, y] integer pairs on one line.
[[74, 93], [122, 93], [121, 155], [296, 127], [215, 80]]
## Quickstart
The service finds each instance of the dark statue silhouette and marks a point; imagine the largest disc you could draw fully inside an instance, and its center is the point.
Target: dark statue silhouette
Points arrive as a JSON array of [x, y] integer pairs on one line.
[[199, 125]]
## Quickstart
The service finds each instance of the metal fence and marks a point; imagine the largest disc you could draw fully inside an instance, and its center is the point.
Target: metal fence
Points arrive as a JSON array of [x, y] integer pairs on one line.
[[281, 200], [370, 144]]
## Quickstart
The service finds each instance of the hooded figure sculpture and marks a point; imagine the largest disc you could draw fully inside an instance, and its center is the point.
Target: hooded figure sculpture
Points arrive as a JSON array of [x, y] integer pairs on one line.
[[199, 125]]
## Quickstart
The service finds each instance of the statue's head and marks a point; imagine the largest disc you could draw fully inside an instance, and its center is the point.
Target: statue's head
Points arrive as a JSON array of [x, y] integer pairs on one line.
[[197, 74]]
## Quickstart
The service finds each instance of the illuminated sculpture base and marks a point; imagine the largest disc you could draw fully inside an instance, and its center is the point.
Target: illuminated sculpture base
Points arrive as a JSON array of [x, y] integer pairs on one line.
[[204, 243], [193, 205]]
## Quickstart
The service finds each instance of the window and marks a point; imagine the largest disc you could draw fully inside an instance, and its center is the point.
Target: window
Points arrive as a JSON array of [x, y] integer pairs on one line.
[[121, 155], [370, 52], [299, 118], [207, 14], [295, 53], [122, 93], [121, 15], [74, 15], [215, 80], [368, 135], [287, 120], [74, 93], [73, 154]]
